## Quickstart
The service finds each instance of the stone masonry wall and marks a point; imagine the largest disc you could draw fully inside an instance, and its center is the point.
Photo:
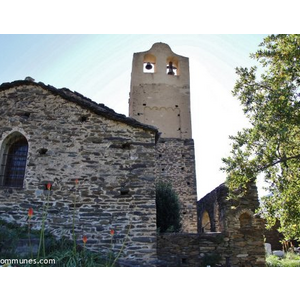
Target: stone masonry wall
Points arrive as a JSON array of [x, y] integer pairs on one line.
[[193, 250], [113, 162], [236, 238], [176, 164], [237, 219]]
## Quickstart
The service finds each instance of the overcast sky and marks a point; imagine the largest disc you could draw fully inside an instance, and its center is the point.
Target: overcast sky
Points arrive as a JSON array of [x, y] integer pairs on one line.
[[99, 67]]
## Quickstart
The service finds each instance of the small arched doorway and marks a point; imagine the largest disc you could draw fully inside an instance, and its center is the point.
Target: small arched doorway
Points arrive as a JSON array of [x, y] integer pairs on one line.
[[205, 222]]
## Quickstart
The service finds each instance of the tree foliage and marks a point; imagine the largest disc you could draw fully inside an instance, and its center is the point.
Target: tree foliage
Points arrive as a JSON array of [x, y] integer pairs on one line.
[[167, 208], [270, 97]]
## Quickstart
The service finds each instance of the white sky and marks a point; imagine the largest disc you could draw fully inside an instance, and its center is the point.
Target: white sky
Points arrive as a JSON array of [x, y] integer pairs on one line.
[[99, 67]]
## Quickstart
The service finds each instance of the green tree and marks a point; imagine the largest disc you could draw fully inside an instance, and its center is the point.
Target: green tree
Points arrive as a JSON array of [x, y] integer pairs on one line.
[[270, 97], [167, 208]]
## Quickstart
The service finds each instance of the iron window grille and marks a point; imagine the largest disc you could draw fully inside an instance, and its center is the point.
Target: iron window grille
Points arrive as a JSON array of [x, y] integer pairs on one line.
[[14, 163]]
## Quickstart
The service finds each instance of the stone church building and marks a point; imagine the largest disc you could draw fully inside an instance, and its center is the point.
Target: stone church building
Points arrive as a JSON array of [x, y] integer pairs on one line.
[[103, 168]]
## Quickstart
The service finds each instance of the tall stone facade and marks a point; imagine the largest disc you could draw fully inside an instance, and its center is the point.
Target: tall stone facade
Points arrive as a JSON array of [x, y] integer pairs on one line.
[[70, 138], [160, 96]]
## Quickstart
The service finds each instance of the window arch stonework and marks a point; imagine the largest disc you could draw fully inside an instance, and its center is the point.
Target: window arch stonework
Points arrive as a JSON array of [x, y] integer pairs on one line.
[[13, 157]]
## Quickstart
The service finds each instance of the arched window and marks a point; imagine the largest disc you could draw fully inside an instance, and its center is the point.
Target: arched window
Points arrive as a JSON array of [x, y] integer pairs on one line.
[[206, 225], [245, 220], [13, 160]]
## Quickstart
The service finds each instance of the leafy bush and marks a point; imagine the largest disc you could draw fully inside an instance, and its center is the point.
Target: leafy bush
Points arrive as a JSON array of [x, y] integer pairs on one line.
[[211, 259], [167, 208], [290, 260], [8, 237]]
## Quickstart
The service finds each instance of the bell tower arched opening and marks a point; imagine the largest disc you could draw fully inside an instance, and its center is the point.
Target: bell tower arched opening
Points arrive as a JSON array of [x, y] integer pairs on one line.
[[149, 63]]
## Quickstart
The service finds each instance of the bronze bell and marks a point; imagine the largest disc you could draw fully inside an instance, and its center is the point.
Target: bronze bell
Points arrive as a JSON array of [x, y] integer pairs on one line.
[[171, 68], [148, 66]]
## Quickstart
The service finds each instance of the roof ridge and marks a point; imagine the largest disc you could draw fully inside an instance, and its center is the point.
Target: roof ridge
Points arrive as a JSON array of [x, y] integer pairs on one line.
[[75, 97]]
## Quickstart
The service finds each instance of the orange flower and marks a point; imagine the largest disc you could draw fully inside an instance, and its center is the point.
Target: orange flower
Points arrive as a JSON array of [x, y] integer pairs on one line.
[[84, 238], [112, 232], [49, 186], [30, 212]]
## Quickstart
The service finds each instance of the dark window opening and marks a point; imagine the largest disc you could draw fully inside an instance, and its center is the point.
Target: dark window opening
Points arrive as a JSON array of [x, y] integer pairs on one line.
[[126, 146], [83, 119], [14, 162], [184, 261], [43, 151], [124, 191]]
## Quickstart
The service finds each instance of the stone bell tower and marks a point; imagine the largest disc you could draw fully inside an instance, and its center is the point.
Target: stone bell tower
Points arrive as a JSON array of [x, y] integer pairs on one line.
[[160, 91], [160, 96]]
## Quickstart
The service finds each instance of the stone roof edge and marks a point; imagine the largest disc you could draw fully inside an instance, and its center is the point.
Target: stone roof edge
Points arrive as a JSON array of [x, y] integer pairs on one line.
[[83, 101], [164, 44], [217, 189]]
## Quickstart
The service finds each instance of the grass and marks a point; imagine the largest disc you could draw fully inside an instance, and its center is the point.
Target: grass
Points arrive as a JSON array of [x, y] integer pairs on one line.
[[290, 260], [61, 250]]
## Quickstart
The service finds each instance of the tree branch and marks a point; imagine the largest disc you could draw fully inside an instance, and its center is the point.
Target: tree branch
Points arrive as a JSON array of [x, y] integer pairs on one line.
[[281, 160]]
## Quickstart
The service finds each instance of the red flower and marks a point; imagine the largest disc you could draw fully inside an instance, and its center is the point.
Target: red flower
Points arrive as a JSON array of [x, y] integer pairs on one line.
[[112, 232], [49, 186], [84, 238], [30, 212]]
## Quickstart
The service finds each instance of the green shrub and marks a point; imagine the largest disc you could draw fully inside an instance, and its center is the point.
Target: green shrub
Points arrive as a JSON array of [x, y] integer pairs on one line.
[[167, 208], [273, 261], [290, 260], [211, 259], [8, 237]]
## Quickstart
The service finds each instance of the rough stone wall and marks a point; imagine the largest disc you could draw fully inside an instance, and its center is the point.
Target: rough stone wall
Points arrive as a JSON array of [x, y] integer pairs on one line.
[[214, 204], [113, 161], [237, 219], [213, 249], [193, 250], [176, 164], [239, 242]]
